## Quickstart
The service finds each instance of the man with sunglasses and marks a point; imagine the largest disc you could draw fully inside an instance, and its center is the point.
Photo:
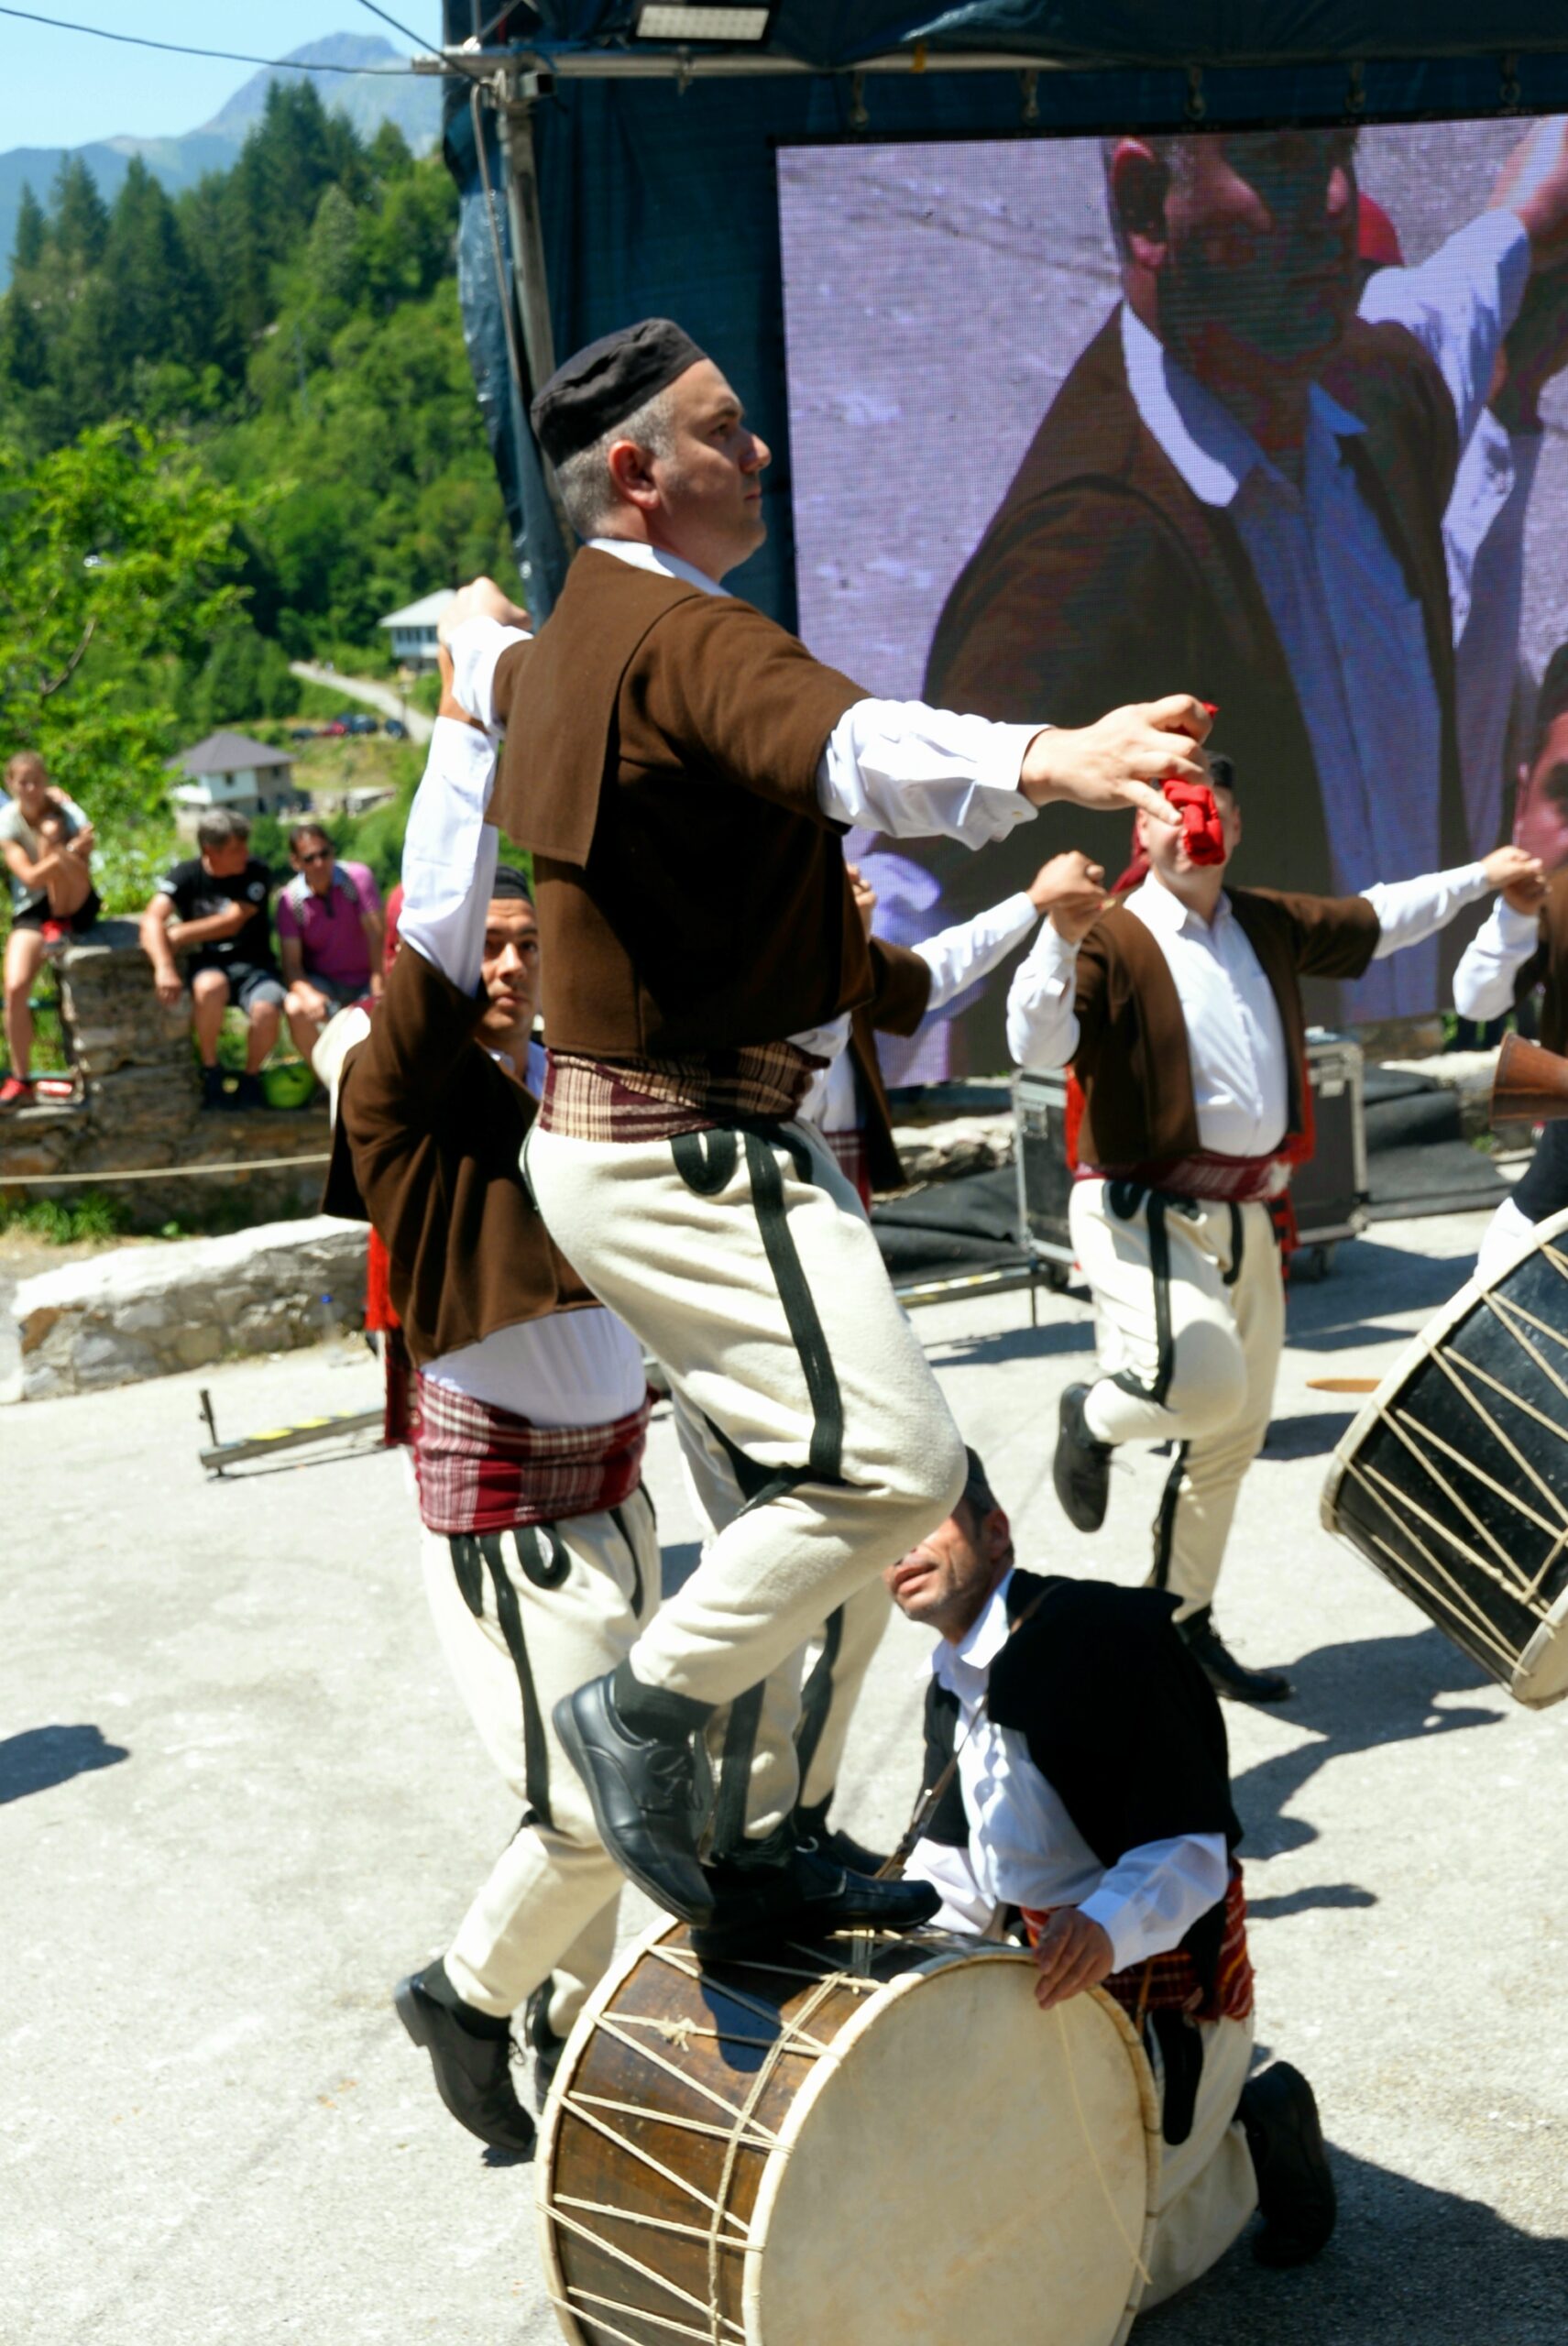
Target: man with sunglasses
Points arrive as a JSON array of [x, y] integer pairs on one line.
[[331, 935]]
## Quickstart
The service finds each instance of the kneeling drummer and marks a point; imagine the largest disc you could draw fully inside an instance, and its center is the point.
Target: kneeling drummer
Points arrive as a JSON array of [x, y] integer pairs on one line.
[[1077, 1779]]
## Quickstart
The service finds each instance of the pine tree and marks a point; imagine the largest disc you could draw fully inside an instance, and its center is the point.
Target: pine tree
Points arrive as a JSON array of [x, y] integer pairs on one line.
[[81, 216], [32, 232]]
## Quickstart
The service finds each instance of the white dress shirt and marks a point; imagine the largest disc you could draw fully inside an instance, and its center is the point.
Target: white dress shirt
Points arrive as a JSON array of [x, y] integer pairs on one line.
[[1483, 528], [571, 1368], [893, 766], [1353, 633], [1023, 1847], [1240, 1076], [1484, 982], [957, 958]]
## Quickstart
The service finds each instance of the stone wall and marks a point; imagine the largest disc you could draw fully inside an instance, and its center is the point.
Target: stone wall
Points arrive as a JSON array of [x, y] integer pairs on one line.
[[145, 1311], [137, 1106]]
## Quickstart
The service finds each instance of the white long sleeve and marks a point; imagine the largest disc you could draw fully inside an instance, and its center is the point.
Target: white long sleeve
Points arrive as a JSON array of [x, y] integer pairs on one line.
[[1042, 1024], [1150, 1898], [959, 956], [476, 648], [1410, 911], [450, 853], [965, 1905], [1484, 982], [1459, 304], [916, 772]]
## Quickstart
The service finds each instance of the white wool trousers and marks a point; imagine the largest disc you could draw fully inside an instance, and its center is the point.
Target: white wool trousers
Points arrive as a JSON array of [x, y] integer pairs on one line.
[[1208, 2187], [524, 1616], [1189, 1319], [744, 1263]]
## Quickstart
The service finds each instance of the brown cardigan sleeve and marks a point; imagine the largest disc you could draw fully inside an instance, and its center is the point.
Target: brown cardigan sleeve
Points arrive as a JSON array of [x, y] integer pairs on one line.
[[902, 982], [1332, 936]]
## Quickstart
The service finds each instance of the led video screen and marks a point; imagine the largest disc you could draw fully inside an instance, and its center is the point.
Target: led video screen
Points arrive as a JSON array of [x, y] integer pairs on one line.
[[1273, 418]]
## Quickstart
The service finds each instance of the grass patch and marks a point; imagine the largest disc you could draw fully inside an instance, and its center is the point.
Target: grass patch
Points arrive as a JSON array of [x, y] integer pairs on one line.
[[90, 1215]]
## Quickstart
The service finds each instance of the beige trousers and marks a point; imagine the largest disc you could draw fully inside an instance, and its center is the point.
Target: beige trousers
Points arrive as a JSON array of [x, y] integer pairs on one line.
[[746, 1266], [1207, 2187], [523, 1617], [1189, 1317]]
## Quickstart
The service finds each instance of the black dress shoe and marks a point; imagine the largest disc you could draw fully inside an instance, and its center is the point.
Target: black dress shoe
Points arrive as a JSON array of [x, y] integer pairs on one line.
[[471, 2056], [649, 1781], [542, 2041], [1295, 2184], [1081, 1469], [783, 1891], [1225, 1674], [838, 1848]]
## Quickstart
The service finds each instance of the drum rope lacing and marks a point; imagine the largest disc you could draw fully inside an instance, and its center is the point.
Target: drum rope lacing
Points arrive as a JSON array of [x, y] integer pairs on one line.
[[1100, 2175]]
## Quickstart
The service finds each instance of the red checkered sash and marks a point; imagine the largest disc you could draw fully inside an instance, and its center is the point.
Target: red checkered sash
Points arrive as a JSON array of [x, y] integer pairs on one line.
[[848, 1151], [482, 1469], [1230, 1180], [645, 1099], [1170, 1982]]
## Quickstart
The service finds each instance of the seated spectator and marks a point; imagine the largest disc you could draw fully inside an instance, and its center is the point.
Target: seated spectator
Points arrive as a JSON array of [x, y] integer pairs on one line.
[[330, 934], [47, 843], [215, 908]]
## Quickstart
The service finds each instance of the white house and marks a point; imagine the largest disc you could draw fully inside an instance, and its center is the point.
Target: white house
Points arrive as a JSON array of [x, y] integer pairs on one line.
[[231, 770], [412, 630]]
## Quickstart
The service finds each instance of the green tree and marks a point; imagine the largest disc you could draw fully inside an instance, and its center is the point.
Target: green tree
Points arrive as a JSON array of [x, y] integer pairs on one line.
[[79, 216], [32, 231], [117, 561]]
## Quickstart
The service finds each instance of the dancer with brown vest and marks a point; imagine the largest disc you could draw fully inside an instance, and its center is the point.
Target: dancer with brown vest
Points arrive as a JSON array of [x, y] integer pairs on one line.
[[682, 769], [1180, 1013], [540, 1550]]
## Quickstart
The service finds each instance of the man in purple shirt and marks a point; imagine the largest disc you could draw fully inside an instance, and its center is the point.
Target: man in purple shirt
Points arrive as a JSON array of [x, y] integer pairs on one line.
[[330, 935]]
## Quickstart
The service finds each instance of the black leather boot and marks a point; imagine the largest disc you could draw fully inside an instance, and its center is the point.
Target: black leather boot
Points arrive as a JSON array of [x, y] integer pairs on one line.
[[776, 1890], [1295, 2184], [639, 1750], [1225, 1674], [542, 2041], [471, 2053], [838, 1848], [1081, 1469]]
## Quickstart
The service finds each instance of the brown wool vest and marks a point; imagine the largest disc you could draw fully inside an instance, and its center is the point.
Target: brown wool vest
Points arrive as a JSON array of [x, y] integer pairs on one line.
[[661, 766]]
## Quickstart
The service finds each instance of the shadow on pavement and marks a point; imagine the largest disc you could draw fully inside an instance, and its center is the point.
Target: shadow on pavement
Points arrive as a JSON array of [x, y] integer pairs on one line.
[[42, 1757], [1313, 1436], [1353, 1697], [678, 1563], [1369, 1283], [1304, 1902], [1056, 1337], [1408, 2266]]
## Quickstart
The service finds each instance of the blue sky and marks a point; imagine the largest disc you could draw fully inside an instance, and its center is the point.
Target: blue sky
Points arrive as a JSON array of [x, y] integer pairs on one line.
[[61, 89]]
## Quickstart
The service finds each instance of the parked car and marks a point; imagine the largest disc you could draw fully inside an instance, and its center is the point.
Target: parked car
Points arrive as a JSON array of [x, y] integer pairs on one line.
[[395, 729], [335, 731], [364, 725], [302, 732]]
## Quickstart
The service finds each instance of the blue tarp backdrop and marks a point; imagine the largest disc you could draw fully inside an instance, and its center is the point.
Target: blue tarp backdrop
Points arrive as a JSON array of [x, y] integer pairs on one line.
[[658, 197]]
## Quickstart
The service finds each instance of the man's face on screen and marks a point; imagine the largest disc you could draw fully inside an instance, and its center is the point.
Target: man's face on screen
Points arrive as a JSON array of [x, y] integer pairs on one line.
[[1250, 239], [710, 482], [1540, 824]]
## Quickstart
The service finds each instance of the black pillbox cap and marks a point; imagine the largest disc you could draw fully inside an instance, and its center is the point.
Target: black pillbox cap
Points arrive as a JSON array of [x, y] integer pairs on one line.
[[610, 380]]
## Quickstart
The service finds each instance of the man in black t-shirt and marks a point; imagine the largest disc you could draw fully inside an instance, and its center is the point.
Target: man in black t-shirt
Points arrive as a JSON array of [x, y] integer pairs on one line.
[[215, 908]]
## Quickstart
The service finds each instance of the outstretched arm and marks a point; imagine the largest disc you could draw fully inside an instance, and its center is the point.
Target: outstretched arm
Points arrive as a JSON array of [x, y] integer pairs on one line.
[[1042, 1015], [450, 851], [1410, 911]]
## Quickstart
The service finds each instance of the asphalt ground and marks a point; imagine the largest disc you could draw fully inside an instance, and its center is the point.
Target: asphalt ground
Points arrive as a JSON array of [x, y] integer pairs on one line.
[[238, 1797]]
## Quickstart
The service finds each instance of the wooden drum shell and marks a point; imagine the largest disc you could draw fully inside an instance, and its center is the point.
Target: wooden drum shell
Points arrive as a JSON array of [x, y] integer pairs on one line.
[[1453, 1479], [852, 2159]]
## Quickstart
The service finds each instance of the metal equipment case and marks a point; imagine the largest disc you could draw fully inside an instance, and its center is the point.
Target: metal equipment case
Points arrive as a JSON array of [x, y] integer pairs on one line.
[[1328, 1192]]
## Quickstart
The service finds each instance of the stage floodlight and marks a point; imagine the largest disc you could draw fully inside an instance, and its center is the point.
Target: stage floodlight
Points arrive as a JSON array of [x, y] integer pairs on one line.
[[695, 22]]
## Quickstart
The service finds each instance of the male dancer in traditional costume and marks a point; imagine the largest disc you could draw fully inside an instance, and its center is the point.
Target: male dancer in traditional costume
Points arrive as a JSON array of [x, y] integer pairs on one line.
[[1077, 1779], [1180, 1013], [540, 1550], [681, 769]]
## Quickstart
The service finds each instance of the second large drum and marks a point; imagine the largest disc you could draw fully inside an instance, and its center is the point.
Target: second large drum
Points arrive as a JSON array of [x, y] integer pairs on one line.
[[1453, 1480], [879, 2143]]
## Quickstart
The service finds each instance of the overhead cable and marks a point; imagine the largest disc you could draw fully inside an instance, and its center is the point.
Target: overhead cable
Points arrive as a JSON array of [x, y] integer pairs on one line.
[[184, 48]]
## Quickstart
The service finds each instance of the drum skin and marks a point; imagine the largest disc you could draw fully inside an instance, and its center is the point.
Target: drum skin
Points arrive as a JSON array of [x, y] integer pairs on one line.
[[786, 2152], [1453, 1479]]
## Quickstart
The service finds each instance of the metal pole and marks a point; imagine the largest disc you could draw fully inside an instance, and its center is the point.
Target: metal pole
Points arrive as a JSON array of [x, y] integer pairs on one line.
[[515, 124]]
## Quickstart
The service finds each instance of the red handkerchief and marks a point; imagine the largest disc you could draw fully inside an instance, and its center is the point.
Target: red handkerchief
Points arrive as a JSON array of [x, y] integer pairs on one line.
[[1205, 838]]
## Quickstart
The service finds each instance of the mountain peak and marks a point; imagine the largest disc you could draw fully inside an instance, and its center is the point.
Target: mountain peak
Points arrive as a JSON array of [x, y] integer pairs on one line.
[[362, 49]]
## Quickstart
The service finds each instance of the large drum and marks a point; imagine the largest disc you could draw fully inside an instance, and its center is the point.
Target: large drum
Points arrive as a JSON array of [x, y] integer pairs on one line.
[[880, 2142], [1453, 1480]]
